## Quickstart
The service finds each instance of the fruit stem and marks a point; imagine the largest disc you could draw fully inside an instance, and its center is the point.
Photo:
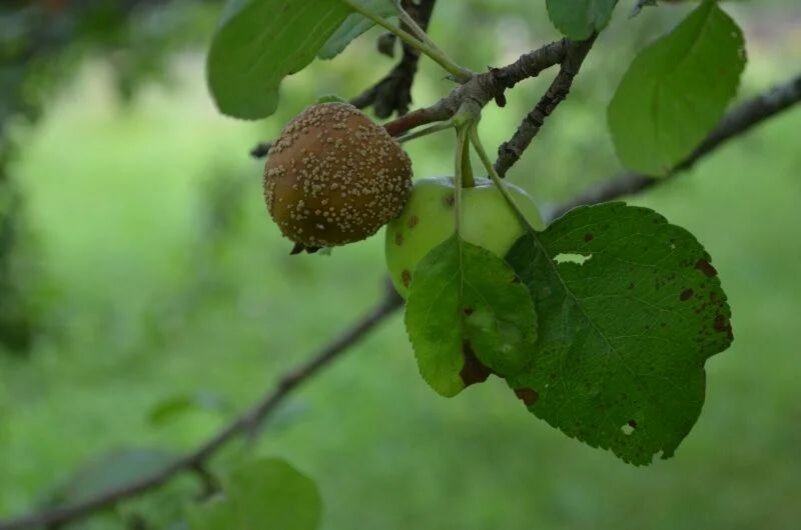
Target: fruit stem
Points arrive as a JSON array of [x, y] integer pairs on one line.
[[417, 31], [441, 126], [462, 143], [467, 168], [499, 183], [459, 74]]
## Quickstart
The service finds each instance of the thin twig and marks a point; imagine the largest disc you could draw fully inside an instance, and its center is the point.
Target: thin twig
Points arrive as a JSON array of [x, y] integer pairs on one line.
[[738, 121], [510, 152], [244, 423]]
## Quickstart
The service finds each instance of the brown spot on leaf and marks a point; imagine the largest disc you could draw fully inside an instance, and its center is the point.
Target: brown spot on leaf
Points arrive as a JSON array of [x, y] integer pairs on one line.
[[406, 277], [468, 311], [706, 267], [588, 237], [449, 200], [633, 424], [686, 295], [412, 222], [527, 396], [473, 371], [722, 325], [399, 239]]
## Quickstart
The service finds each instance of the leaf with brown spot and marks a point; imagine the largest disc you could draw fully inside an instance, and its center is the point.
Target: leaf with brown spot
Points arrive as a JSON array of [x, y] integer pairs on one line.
[[466, 319], [706, 267], [601, 359], [527, 396]]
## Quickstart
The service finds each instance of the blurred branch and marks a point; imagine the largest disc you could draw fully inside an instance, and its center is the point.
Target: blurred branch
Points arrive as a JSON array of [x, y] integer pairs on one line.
[[244, 424], [736, 122], [510, 152]]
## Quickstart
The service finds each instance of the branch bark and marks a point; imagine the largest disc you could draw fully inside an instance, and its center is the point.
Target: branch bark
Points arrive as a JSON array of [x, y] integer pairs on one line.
[[247, 422], [510, 152], [479, 90]]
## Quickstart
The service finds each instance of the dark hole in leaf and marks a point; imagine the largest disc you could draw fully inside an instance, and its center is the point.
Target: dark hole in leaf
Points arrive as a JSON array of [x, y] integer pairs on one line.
[[449, 200], [468, 311], [473, 371], [588, 237], [686, 295]]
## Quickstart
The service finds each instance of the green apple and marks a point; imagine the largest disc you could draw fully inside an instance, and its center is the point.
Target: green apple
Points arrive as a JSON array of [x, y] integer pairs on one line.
[[428, 219]]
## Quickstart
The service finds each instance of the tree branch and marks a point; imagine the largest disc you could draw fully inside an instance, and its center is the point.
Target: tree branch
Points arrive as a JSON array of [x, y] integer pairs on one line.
[[479, 90], [482, 88], [736, 122], [510, 152], [394, 92], [247, 422]]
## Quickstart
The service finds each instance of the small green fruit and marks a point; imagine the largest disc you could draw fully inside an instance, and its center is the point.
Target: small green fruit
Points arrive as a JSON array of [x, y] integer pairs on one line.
[[428, 219]]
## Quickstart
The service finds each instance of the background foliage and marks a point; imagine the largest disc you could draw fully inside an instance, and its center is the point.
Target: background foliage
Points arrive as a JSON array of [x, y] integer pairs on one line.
[[160, 279]]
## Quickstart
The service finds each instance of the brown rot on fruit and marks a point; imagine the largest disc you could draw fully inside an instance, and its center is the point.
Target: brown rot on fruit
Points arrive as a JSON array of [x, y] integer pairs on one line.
[[334, 177]]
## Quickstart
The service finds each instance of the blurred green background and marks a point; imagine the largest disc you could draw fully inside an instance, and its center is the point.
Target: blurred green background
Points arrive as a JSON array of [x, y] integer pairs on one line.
[[156, 278]]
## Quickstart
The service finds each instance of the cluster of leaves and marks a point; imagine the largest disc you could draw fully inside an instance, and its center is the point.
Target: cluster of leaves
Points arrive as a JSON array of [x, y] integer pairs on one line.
[[260, 493], [628, 306]]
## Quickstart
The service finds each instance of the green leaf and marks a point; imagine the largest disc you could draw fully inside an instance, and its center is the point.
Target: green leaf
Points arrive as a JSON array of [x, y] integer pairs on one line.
[[263, 493], [216, 514], [259, 42], [468, 314], [170, 409], [354, 26], [271, 493], [579, 19], [623, 336], [676, 91]]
